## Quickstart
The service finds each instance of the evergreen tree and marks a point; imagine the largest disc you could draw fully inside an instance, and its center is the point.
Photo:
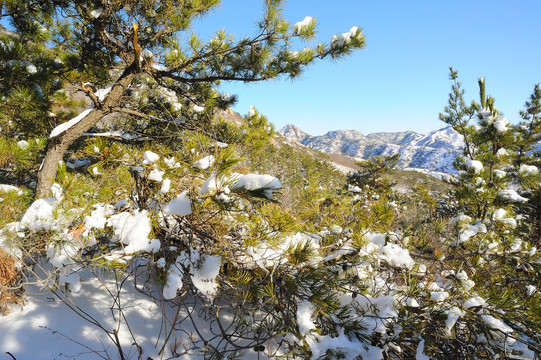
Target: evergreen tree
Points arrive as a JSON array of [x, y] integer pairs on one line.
[[139, 42]]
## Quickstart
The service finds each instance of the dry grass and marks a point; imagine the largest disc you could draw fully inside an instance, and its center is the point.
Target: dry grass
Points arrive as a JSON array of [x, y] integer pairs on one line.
[[9, 276]]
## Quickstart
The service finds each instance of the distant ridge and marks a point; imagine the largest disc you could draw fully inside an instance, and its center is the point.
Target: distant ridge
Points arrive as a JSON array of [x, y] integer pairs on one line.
[[435, 151]]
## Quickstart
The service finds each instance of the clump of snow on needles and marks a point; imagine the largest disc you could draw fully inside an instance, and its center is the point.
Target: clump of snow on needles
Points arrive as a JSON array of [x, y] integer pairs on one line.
[[23, 144], [204, 163], [267, 256], [496, 324], [397, 256], [204, 270], [132, 230], [150, 157], [512, 196], [501, 125], [526, 170], [301, 25], [345, 38], [499, 216], [166, 186], [156, 175], [180, 205], [41, 214], [453, 314], [474, 165], [254, 182], [96, 13], [10, 188], [175, 275]]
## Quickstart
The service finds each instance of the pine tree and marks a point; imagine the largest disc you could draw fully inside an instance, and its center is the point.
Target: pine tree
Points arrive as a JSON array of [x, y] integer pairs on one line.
[[147, 42], [487, 150]]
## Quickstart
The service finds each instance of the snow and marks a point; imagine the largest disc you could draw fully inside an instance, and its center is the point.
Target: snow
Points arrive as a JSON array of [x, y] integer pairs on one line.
[[411, 302], [147, 54], [499, 174], [204, 163], [305, 311], [171, 97], [98, 217], [527, 170], [119, 134], [60, 129], [159, 67], [10, 188], [474, 165], [453, 314], [254, 182], [150, 157], [351, 349], [420, 351], [132, 230], [501, 125], [31, 69], [215, 184], [345, 38], [40, 215], [156, 175], [496, 324], [180, 205], [267, 256], [23, 144], [501, 152], [172, 163], [474, 302], [166, 186], [439, 296], [198, 109], [531, 289], [397, 256], [174, 280], [252, 112], [498, 216], [301, 25], [96, 13], [512, 196], [205, 270], [46, 329], [384, 308], [161, 263], [471, 231]]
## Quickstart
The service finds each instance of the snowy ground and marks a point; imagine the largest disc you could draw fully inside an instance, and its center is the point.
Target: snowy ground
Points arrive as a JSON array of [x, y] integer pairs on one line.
[[45, 328]]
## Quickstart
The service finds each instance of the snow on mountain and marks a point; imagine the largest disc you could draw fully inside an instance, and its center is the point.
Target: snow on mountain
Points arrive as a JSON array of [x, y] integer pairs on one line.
[[435, 151], [292, 132], [445, 138], [398, 138]]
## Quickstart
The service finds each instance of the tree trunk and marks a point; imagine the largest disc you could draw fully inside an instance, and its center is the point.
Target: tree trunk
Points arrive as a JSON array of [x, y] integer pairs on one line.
[[58, 145], [56, 148]]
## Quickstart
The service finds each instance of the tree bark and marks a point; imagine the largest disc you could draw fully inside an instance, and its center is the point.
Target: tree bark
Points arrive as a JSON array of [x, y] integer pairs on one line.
[[58, 145]]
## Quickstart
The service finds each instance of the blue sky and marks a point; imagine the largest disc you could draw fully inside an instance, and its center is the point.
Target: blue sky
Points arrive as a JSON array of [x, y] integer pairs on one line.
[[400, 81]]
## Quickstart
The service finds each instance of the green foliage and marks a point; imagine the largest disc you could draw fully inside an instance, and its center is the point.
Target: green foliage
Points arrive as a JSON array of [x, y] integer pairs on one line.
[[18, 159], [373, 174], [494, 149]]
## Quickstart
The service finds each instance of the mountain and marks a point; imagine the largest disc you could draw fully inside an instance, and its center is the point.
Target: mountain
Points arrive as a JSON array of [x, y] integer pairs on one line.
[[435, 151], [292, 132]]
